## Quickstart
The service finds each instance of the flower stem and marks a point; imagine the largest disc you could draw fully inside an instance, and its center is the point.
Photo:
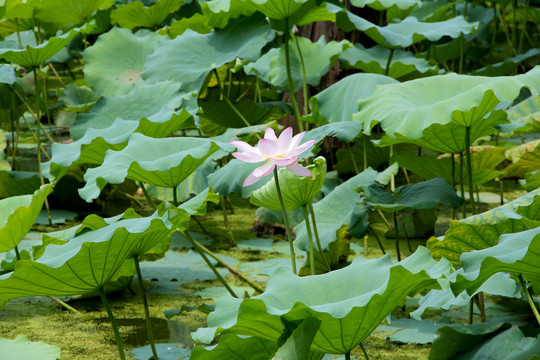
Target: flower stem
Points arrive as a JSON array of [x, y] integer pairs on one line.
[[17, 254], [397, 236], [389, 61], [147, 196], [316, 233], [304, 83], [469, 167], [113, 323], [364, 351], [310, 238], [175, 196], [292, 93], [529, 298], [462, 185], [285, 220], [197, 247], [146, 311]]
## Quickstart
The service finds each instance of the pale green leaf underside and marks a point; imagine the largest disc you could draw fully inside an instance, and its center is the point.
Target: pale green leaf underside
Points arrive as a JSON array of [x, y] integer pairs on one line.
[[349, 307], [229, 179], [277, 9], [7, 74], [162, 162], [297, 191], [418, 104], [220, 12], [338, 102], [17, 215], [386, 4], [113, 65], [21, 348]]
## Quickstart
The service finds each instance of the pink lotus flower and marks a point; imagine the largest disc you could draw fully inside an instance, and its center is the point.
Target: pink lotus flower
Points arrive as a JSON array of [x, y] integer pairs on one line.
[[281, 152]]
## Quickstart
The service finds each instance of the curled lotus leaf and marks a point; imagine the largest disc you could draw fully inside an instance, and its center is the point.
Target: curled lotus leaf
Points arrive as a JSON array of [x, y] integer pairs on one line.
[[161, 162], [113, 65], [407, 32], [338, 102], [62, 13], [279, 9], [440, 99], [386, 4], [220, 12], [517, 253], [348, 307], [135, 14], [18, 214], [237, 347], [484, 230], [296, 191], [35, 55], [159, 109], [524, 117], [86, 262]]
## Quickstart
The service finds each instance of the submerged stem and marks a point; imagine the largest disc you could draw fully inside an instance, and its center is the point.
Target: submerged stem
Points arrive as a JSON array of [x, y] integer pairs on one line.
[[113, 324], [310, 239], [146, 311], [285, 220]]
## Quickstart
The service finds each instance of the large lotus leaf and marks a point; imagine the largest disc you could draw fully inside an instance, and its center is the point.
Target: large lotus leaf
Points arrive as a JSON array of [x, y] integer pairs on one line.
[[22, 9], [507, 66], [450, 137], [223, 113], [162, 162], [195, 55], [322, 56], [7, 74], [159, 109], [297, 191], [13, 183], [36, 55], [483, 163], [422, 195], [62, 13], [90, 149], [345, 131], [17, 215], [220, 12], [298, 344], [335, 210], [135, 14], [516, 252], [386, 4], [524, 117], [113, 65], [242, 348], [21, 348], [229, 179], [351, 159], [526, 158], [279, 9], [375, 60], [87, 262], [197, 23], [338, 102], [78, 98], [409, 108], [407, 32], [349, 307], [483, 230]]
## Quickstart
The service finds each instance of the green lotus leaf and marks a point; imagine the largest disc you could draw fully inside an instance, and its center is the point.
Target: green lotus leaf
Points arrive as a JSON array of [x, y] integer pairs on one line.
[[386, 4], [229, 179], [7, 74], [22, 9], [162, 162], [348, 307], [508, 66], [242, 348], [248, 133], [14, 183], [483, 231], [352, 159], [297, 191], [86, 262], [62, 13], [375, 60], [418, 104], [532, 181], [515, 252], [524, 117], [338, 102], [4, 164], [113, 65], [526, 158], [422, 195], [322, 56], [197, 23], [197, 54], [78, 98], [298, 344], [22, 348], [450, 137], [335, 209], [484, 163], [345, 131], [35, 55], [166, 351], [220, 12], [159, 109], [407, 32], [279, 9], [90, 149], [17, 215], [135, 14]]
